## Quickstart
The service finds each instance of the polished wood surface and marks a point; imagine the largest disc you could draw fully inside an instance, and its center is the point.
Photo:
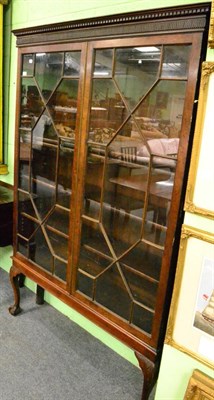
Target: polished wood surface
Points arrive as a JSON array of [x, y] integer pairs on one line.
[[64, 224], [136, 185]]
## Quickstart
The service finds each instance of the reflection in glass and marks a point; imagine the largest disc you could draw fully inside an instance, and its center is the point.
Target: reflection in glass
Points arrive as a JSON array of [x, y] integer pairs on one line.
[[65, 169], [72, 63], [136, 70], [103, 63], [93, 187], [133, 142], [108, 111], [175, 61], [160, 114], [46, 148], [43, 177], [49, 67], [63, 107], [24, 159], [27, 64], [31, 102]]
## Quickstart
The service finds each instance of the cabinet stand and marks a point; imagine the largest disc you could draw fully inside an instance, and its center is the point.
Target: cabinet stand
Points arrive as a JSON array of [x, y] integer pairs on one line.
[[14, 279]]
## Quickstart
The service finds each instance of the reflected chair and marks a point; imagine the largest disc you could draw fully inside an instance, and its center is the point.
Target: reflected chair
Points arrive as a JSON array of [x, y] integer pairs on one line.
[[129, 154]]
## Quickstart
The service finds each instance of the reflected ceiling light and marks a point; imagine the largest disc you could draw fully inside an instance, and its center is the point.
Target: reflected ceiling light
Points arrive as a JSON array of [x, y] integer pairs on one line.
[[172, 65], [101, 73], [30, 61], [40, 54], [148, 49]]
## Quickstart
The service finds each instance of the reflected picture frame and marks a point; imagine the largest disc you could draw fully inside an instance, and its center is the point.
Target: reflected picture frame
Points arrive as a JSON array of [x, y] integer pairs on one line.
[[200, 386], [201, 172], [191, 340]]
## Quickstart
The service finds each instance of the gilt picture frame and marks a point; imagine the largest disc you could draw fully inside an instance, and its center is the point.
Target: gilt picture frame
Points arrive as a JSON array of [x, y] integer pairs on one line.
[[196, 255], [211, 28], [200, 189], [200, 386]]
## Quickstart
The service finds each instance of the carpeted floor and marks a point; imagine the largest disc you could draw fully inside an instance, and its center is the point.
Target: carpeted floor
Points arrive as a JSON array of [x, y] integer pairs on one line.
[[45, 356]]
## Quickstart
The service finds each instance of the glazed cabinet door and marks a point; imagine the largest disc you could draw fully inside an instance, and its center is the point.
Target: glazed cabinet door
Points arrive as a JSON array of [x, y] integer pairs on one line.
[[140, 99], [49, 123], [103, 130]]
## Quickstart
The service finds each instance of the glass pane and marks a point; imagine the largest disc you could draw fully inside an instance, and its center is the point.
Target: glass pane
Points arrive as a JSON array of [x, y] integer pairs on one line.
[[59, 244], [136, 70], [31, 103], [108, 111], [103, 63], [43, 178], [26, 227], [60, 268], [25, 205], [92, 262], [142, 318], [160, 193], [24, 160], [22, 246], [27, 65], [112, 293], [63, 107], [144, 259], [43, 129], [175, 61], [160, 114], [72, 63], [85, 285], [42, 254], [93, 238], [65, 167], [49, 67], [143, 290], [93, 186], [57, 215]]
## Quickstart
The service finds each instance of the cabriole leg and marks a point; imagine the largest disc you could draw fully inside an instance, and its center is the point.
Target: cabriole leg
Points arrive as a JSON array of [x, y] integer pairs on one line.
[[149, 370], [14, 279]]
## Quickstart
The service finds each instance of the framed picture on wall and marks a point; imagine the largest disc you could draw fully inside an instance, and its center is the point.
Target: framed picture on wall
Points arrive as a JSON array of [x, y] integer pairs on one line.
[[200, 386], [211, 30], [193, 297], [200, 188]]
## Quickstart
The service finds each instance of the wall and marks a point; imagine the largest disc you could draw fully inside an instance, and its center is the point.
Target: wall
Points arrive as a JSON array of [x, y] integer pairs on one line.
[[1, 40], [176, 367]]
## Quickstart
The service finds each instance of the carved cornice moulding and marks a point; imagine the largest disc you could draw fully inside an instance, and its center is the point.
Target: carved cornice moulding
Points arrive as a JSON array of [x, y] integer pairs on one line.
[[183, 18]]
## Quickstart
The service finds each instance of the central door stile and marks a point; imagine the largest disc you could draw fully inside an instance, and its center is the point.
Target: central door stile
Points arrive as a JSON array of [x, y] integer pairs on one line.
[[79, 163]]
